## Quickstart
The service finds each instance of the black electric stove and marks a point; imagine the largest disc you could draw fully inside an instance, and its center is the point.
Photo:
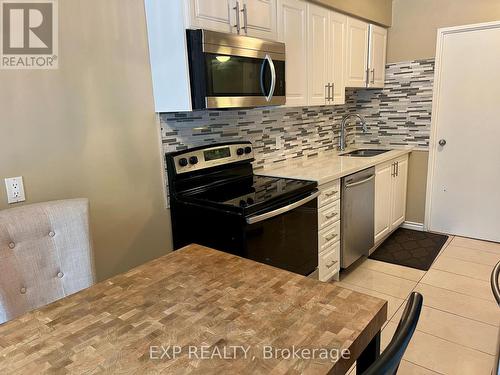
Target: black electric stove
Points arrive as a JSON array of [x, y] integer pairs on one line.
[[217, 201]]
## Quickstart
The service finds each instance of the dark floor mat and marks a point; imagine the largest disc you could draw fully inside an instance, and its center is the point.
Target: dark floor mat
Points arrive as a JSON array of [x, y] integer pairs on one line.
[[410, 248]]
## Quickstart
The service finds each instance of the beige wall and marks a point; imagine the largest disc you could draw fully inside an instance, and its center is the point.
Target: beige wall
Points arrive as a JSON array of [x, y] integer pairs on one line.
[[89, 130], [417, 183], [378, 11], [415, 23]]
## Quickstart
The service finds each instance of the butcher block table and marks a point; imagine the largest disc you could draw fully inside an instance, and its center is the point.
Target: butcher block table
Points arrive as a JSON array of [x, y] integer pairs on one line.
[[199, 311]]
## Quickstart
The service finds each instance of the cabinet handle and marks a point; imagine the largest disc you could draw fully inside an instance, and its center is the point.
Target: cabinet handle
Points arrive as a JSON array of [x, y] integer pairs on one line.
[[333, 92], [327, 90], [373, 76], [237, 10], [329, 216], [397, 168], [393, 171], [330, 265], [330, 237], [330, 193], [245, 18]]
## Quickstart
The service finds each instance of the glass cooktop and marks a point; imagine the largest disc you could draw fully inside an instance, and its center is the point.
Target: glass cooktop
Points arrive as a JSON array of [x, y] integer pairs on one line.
[[253, 193]]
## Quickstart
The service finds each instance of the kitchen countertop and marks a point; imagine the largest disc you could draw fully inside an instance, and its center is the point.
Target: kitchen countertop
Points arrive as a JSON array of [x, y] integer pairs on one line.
[[329, 166], [193, 297]]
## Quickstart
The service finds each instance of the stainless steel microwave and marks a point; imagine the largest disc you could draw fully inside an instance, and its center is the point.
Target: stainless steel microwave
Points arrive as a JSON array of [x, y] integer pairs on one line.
[[233, 71]]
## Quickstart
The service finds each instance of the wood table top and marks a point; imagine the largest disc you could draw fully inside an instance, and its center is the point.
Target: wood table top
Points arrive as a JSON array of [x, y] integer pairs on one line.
[[199, 311]]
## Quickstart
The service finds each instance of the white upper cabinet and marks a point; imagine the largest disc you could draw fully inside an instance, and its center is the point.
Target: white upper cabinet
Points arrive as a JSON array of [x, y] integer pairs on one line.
[[336, 61], [259, 18], [315, 40], [366, 54], [245, 17], [317, 54], [357, 52], [377, 58], [217, 15], [292, 30]]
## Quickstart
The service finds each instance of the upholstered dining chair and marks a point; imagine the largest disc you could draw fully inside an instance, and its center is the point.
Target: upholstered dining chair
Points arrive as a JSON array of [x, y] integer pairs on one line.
[[45, 254]]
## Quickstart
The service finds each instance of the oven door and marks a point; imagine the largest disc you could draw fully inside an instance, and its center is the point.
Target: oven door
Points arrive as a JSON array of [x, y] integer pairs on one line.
[[285, 237]]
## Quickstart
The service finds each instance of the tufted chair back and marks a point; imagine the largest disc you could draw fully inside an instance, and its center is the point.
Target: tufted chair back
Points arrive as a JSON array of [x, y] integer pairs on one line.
[[45, 254]]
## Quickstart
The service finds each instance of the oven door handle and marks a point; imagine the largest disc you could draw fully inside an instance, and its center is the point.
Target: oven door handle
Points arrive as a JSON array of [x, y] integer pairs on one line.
[[270, 61], [282, 210]]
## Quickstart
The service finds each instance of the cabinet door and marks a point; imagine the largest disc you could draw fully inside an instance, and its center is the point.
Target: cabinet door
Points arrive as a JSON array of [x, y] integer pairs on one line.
[[317, 53], [292, 30], [378, 47], [214, 15], [383, 200], [338, 25], [399, 193], [357, 53], [258, 18]]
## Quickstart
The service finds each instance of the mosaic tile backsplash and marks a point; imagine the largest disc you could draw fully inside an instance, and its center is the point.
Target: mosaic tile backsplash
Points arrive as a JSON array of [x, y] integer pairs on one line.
[[399, 114]]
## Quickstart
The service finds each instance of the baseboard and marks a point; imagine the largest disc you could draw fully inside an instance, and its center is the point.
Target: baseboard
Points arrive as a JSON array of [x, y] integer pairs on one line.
[[413, 226]]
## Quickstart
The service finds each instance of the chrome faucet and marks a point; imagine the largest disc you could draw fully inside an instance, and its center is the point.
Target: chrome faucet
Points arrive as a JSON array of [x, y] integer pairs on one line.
[[342, 144]]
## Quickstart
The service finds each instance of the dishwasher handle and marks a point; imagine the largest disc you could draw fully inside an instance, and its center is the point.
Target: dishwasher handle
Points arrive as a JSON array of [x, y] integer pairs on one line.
[[360, 182], [282, 210]]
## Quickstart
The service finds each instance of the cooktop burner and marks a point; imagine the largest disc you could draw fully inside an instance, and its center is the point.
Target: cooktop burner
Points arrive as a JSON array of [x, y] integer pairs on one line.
[[252, 193]]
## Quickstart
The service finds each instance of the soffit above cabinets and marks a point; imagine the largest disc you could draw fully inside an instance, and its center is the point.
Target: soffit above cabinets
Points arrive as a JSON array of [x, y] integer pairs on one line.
[[376, 11]]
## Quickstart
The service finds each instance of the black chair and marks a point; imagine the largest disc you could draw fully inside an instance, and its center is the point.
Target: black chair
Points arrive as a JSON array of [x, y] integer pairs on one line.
[[389, 360], [496, 293], [494, 283]]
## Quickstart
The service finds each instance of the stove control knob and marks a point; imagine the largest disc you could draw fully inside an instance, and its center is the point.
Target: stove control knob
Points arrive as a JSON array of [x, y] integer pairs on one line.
[[193, 160], [243, 203], [248, 150], [183, 162], [240, 151], [250, 201]]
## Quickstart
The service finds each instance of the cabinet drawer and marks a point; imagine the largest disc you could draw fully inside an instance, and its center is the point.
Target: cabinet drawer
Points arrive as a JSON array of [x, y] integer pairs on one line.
[[329, 262], [329, 193], [329, 214], [328, 236]]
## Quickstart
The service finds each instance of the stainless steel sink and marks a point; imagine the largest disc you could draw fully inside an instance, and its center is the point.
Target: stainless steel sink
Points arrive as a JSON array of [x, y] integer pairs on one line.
[[364, 153]]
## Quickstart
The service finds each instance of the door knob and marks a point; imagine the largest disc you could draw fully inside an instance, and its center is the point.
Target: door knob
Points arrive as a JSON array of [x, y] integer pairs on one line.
[[442, 142]]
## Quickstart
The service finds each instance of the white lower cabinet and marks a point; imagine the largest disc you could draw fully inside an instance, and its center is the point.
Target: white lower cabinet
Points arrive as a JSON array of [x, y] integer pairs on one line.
[[329, 231], [391, 180]]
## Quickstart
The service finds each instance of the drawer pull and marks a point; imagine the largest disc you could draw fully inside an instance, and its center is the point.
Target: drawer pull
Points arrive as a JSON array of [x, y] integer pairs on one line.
[[331, 264], [330, 193], [329, 216], [330, 237]]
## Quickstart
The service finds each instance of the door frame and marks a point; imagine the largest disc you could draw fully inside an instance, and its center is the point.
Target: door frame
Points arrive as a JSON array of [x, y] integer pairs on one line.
[[441, 33]]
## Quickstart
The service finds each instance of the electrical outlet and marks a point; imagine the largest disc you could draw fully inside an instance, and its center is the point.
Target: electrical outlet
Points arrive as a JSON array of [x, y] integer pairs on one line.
[[15, 190]]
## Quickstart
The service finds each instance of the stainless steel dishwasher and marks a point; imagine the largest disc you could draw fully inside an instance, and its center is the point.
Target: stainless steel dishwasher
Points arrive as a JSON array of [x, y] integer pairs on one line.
[[357, 216]]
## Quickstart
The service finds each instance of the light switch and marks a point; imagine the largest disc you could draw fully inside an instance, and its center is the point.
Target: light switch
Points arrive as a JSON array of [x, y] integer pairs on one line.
[[15, 190]]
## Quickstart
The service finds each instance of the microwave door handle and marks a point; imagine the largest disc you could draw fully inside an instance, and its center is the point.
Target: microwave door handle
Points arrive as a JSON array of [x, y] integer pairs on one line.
[[282, 210], [270, 61]]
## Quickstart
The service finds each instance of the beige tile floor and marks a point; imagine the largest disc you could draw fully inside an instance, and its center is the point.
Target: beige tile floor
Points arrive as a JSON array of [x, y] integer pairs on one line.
[[458, 327]]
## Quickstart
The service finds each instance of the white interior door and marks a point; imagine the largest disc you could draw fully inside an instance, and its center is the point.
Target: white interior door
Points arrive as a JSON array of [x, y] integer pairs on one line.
[[464, 178]]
